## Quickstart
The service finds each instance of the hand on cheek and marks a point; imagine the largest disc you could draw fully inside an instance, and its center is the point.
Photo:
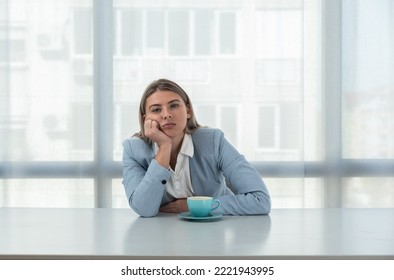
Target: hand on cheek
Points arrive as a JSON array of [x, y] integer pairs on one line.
[[153, 132]]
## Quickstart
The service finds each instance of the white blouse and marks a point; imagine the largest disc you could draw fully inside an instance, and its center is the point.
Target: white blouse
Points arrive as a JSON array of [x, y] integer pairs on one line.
[[179, 184]]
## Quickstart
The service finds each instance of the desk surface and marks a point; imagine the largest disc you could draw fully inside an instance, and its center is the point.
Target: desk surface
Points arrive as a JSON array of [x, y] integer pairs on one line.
[[120, 233]]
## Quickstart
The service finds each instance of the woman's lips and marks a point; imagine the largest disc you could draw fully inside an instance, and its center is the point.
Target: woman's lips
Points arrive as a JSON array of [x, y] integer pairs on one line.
[[168, 125]]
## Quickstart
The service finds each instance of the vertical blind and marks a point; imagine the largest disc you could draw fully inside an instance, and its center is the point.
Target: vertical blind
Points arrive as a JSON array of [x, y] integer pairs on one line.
[[303, 88]]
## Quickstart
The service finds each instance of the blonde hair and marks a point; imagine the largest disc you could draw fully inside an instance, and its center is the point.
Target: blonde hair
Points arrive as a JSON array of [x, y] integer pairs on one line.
[[163, 84]]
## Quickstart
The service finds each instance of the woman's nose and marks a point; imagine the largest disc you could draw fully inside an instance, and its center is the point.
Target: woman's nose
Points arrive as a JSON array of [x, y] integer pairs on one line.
[[166, 114]]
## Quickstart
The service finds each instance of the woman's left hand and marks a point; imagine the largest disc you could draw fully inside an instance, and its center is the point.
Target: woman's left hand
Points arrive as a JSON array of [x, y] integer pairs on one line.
[[177, 206]]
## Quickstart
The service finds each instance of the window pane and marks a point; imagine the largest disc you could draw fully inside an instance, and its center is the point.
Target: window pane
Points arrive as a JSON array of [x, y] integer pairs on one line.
[[206, 115], [267, 131], [83, 31], [229, 125], [277, 71], [280, 33], [13, 50], [130, 122], [47, 193], [131, 34], [178, 32], [46, 91], [368, 83], [82, 130], [290, 126], [295, 192], [119, 199], [368, 192], [203, 24], [47, 102], [126, 124], [155, 31], [227, 27]]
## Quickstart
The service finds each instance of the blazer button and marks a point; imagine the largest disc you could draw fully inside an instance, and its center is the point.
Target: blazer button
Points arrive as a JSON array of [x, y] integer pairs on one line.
[[164, 182]]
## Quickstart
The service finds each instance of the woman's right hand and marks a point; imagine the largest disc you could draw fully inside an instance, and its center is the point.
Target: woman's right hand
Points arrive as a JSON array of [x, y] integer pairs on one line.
[[163, 141], [153, 132]]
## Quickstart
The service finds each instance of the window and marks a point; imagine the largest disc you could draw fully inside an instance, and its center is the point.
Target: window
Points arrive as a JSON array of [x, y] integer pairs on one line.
[[268, 134], [81, 131], [186, 32], [12, 45], [155, 25], [227, 33], [303, 89], [131, 32], [178, 33], [204, 32], [224, 116], [83, 31], [279, 127]]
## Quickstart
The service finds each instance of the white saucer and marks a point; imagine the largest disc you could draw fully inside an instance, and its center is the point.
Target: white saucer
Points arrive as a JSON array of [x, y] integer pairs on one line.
[[188, 216]]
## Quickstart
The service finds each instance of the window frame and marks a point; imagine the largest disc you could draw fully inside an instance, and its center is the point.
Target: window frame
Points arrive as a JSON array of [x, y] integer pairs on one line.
[[103, 169]]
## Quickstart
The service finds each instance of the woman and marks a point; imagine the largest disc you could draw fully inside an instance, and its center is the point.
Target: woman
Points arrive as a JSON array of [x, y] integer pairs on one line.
[[173, 157]]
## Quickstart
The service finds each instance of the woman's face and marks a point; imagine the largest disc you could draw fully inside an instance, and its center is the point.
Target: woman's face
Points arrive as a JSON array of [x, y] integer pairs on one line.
[[169, 110]]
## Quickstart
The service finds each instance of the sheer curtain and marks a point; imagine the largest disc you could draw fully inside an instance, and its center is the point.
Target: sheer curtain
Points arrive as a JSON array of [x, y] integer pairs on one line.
[[304, 89], [46, 99], [368, 100]]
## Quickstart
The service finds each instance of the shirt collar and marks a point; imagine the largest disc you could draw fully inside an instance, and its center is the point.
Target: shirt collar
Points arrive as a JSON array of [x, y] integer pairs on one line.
[[187, 147]]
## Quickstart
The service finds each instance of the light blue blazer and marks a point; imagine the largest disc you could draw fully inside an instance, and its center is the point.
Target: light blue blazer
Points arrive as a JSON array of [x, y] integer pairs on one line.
[[216, 169]]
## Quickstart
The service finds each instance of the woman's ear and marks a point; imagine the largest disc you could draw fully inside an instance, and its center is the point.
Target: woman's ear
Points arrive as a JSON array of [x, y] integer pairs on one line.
[[188, 111]]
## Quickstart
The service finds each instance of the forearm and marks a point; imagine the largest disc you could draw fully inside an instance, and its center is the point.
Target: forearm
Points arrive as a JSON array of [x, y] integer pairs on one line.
[[146, 199], [145, 192], [253, 203], [163, 155]]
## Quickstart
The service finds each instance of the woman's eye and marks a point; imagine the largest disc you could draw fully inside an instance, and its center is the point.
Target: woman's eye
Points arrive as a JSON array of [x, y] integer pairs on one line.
[[155, 110], [175, 105]]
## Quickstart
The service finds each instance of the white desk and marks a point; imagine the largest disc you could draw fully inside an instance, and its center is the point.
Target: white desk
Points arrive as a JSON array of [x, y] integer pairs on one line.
[[120, 233]]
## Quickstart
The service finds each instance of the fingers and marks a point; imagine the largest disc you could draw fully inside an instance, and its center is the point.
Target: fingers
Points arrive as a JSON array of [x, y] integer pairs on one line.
[[169, 208], [176, 206], [153, 132], [151, 127], [151, 124]]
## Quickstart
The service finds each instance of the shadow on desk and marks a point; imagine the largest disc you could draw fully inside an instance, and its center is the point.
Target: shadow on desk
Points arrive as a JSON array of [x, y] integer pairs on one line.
[[169, 236]]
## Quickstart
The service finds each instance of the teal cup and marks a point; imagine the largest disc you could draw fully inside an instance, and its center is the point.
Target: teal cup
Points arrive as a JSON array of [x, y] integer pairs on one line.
[[202, 206]]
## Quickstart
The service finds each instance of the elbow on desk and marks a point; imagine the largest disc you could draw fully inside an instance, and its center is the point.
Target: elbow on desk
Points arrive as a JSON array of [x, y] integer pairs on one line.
[[144, 212], [265, 205], [264, 209], [267, 208]]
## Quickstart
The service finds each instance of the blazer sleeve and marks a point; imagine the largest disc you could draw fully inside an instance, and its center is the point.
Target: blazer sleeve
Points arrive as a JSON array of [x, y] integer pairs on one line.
[[143, 178], [250, 194]]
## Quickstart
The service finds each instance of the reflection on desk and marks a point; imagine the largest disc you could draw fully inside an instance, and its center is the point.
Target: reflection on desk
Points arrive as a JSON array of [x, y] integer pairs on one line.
[[171, 236], [120, 233]]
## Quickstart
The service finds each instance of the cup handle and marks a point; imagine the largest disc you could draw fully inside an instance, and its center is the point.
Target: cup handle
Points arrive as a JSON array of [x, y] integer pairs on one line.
[[217, 204]]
